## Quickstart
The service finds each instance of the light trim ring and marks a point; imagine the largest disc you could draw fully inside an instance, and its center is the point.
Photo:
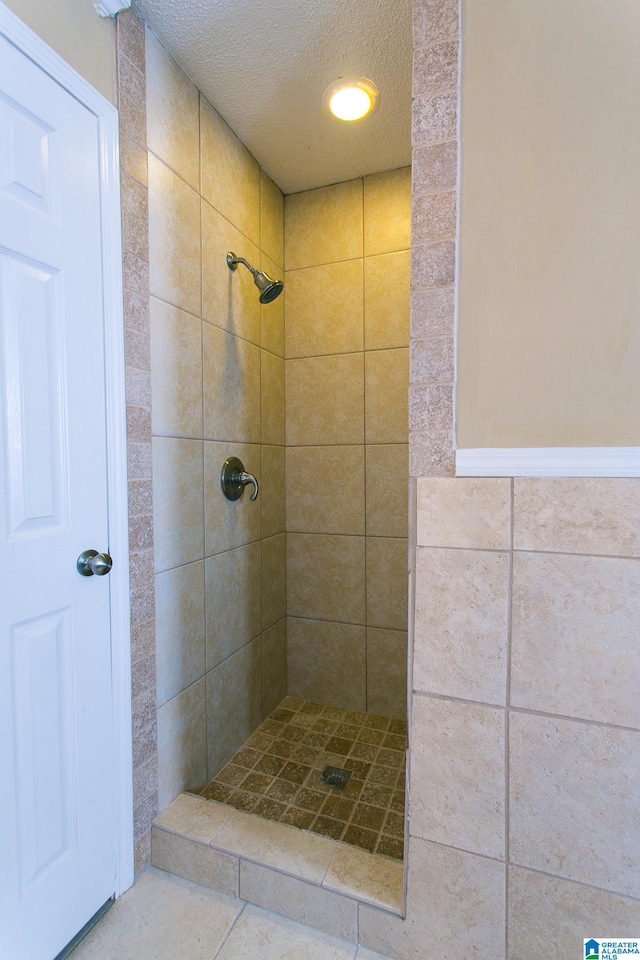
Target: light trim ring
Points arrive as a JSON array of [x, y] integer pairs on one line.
[[351, 98]]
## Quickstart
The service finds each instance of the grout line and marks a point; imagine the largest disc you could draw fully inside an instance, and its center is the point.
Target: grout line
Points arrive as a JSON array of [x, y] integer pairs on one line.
[[507, 768], [233, 925]]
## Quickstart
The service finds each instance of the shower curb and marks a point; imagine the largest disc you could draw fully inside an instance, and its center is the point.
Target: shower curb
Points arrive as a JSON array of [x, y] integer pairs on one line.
[[301, 875]]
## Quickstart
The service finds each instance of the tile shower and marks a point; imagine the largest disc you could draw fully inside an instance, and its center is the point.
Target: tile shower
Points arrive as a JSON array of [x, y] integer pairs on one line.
[[255, 600]]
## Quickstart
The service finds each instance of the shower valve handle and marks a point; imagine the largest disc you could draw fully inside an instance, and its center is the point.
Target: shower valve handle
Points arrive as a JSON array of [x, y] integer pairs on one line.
[[234, 478]]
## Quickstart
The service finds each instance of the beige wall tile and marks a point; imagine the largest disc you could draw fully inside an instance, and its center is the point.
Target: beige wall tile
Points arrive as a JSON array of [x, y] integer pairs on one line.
[[230, 299], [558, 821], [270, 937], [174, 238], [182, 743], [575, 637], [231, 387], [387, 489], [176, 371], [133, 159], [552, 915], [461, 624], [195, 861], [229, 523], [325, 400], [234, 601], [323, 226], [304, 855], [272, 398], [318, 501], [177, 501], [387, 211], [234, 705], [272, 314], [193, 818], [272, 491], [464, 512], [327, 663], [274, 666], [387, 396], [387, 582], [387, 280], [375, 880], [274, 579], [466, 899], [457, 775], [433, 312], [230, 176], [271, 220], [324, 309], [387, 672], [304, 902], [596, 515], [173, 123], [435, 20], [326, 577], [180, 628]]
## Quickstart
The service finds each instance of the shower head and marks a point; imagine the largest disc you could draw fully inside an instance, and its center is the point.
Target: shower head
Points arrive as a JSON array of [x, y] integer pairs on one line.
[[269, 289]]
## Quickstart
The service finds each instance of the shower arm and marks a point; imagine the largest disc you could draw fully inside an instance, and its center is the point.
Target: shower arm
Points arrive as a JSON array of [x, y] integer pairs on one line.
[[232, 263]]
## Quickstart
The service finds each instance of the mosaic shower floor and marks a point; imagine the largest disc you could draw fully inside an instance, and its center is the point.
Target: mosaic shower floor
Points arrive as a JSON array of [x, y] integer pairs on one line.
[[276, 774]]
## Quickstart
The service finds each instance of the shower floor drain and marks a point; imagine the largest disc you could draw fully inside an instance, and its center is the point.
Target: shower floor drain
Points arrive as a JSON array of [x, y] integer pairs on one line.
[[335, 777]]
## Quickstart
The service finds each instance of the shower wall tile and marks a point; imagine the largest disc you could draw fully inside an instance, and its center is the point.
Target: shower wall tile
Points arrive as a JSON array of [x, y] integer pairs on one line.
[[176, 371], [325, 400], [458, 775], [173, 121], [231, 387], [575, 629], [272, 314], [461, 624], [325, 309], [274, 666], [228, 523], [180, 628], [386, 395], [558, 821], [324, 489], [387, 490], [272, 491], [387, 285], [271, 220], [230, 176], [387, 582], [549, 914], [182, 747], [327, 662], [178, 522], [433, 312], [229, 297], [324, 225], [326, 577], [387, 212], [272, 408], [274, 580], [234, 601], [472, 513], [574, 515], [387, 672], [435, 20], [174, 238], [234, 704]]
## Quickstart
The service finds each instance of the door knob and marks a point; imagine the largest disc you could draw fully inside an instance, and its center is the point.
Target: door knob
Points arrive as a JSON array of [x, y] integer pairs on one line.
[[91, 562]]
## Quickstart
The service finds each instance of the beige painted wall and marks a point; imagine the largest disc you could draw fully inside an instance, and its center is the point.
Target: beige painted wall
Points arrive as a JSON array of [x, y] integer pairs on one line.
[[549, 310], [78, 34]]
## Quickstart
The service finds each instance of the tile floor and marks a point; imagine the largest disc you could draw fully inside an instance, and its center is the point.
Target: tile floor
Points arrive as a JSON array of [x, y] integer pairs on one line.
[[276, 774], [164, 917]]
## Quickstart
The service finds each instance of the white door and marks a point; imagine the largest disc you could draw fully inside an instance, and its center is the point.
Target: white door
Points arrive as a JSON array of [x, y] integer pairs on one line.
[[58, 813]]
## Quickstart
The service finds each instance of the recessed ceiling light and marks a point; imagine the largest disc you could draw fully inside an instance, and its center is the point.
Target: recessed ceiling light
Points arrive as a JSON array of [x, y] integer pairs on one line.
[[351, 98]]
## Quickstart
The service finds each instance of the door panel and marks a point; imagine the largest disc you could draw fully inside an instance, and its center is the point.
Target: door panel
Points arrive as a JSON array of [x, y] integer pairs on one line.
[[58, 829]]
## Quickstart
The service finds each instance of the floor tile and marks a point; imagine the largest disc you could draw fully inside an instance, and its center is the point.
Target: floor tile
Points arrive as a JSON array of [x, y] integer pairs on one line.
[[260, 933]]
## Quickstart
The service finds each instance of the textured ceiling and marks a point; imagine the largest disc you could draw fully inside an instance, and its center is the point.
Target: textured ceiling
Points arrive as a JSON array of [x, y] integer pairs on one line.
[[263, 64]]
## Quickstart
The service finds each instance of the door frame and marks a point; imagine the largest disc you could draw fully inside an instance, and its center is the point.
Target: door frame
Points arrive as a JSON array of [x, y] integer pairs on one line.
[[29, 43]]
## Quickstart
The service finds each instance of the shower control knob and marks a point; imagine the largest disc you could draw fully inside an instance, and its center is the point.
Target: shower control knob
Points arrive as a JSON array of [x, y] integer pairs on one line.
[[91, 563], [234, 478]]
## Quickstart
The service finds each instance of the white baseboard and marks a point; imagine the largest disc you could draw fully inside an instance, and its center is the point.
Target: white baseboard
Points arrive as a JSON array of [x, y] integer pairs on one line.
[[549, 462]]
